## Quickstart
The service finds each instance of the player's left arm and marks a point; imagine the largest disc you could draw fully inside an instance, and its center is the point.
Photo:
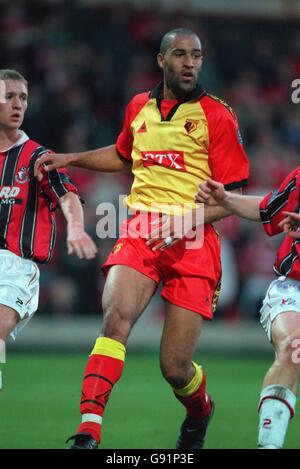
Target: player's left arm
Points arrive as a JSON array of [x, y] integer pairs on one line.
[[178, 226], [78, 240], [213, 213], [60, 191]]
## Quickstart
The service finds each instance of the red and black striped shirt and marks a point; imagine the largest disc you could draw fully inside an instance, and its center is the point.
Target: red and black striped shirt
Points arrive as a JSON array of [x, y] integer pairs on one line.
[[285, 198], [27, 224]]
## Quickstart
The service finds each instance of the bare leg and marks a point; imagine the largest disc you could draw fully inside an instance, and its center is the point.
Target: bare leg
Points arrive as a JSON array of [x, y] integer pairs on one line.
[[126, 294], [285, 329], [181, 331], [180, 335], [8, 321], [278, 396]]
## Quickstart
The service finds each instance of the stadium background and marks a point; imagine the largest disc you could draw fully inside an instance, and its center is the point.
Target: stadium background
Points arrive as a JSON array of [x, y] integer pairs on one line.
[[84, 60]]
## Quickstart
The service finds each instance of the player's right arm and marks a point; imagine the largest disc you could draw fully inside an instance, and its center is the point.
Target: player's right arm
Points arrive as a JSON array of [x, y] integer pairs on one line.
[[112, 158], [104, 159], [213, 193]]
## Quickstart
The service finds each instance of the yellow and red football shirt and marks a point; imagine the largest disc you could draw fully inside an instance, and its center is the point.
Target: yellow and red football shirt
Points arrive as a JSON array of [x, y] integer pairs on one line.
[[174, 146]]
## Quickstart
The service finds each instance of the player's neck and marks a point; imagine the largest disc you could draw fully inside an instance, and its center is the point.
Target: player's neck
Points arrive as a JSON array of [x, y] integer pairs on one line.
[[169, 94], [8, 137]]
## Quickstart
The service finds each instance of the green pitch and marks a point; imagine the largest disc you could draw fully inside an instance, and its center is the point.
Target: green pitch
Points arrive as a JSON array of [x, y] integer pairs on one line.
[[39, 403]]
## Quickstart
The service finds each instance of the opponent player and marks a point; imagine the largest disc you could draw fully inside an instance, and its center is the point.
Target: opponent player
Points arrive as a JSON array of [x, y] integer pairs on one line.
[[173, 137], [27, 226], [278, 211]]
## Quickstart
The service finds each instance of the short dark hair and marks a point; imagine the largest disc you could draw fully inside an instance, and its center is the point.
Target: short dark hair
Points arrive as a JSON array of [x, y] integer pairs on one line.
[[8, 74], [168, 37]]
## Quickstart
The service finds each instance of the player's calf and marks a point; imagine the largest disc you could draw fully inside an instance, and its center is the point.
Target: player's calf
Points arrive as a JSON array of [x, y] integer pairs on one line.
[[276, 407], [103, 370]]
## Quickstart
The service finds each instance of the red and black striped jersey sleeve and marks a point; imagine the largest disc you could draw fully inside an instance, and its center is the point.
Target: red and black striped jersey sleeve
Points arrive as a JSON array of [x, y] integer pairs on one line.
[[55, 184], [285, 198]]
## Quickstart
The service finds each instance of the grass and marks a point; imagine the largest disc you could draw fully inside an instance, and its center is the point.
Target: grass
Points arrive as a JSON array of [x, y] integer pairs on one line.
[[39, 403]]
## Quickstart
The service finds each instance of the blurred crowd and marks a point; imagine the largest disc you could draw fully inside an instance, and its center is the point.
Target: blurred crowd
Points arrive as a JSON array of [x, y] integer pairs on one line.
[[84, 63]]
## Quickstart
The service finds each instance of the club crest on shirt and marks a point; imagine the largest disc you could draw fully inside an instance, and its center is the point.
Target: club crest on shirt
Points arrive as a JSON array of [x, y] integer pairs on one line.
[[191, 125], [21, 177], [117, 248]]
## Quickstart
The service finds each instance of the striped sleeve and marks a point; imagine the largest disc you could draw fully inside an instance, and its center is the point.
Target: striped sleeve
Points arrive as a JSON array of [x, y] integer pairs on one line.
[[54, 184], [285, 198]]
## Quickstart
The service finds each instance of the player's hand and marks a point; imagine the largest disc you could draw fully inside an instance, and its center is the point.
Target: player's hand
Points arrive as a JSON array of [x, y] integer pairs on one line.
[[80, 243], [211, 192], [291, 224], [168, 230], [49, 162], [162, 236]]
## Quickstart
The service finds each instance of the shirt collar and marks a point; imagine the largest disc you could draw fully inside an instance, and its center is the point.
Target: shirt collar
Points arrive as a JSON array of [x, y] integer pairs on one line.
[[197, 93], [23, 137]]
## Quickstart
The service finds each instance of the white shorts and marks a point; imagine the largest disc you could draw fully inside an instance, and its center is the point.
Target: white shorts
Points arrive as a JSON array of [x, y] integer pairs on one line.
[[282, 295], [19, 286]]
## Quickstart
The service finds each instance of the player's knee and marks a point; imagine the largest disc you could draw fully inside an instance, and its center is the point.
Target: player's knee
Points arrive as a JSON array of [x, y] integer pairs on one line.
[[8, 323], [175, 372], [116, 322], [288, 352]]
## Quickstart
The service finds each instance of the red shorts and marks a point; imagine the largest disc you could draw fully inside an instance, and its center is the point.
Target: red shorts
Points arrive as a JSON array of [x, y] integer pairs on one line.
[[191, 278]]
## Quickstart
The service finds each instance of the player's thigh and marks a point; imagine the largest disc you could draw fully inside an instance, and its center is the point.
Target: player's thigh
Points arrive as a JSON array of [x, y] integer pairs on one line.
[[285, 329], [8, 320], [182, 328], [126, 293], [280, 311]]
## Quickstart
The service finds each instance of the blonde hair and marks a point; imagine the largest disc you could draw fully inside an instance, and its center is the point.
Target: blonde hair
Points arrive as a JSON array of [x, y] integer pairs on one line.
[[7, 74]]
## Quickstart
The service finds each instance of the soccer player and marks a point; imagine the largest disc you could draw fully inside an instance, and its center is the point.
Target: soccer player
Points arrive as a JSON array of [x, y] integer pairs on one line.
[[278, 211], [27, 226], [173, 137]]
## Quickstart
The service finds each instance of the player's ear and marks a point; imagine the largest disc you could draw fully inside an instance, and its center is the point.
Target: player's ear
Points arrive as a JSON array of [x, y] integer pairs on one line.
[[201, 60], [160, 60]]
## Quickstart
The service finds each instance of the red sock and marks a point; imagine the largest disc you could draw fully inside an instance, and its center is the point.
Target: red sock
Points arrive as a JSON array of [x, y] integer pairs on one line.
[[198, 404], [101, 373]]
